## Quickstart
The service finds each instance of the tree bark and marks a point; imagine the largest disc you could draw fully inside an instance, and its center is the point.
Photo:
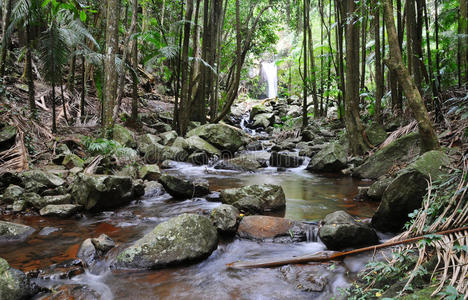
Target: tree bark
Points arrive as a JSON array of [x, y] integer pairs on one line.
[[110, 70], [378, 67], [135, 98], [304, 79], [354, 127], [4, 47], [29, 74], [429, 140]]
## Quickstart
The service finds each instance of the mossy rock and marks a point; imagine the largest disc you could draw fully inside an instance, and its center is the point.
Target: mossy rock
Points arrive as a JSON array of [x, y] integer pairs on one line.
[[124, 136], [71, 161], [331, 158], [376, 134], [222, 136], [197, 144], [14, 232], [14, 284], [265, 197]]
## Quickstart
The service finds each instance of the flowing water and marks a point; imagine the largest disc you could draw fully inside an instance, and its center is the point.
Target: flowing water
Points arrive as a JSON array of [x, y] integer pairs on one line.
[[269, 74], [309, 197]]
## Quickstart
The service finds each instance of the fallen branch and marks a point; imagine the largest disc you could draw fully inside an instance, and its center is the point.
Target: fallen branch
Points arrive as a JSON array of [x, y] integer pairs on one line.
[[324, 257]]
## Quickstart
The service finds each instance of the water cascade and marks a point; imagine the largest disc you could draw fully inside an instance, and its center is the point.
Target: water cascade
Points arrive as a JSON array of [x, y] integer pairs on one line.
[[269, 74]]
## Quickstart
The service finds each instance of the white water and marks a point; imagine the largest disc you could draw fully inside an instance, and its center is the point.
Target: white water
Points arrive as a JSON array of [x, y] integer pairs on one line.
[[269, 74]]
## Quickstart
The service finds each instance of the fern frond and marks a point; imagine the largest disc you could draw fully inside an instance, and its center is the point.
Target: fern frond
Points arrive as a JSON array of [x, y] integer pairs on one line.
[[54, 54]]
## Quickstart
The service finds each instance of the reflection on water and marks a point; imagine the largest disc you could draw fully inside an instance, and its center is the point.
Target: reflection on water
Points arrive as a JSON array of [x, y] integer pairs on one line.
[[309, 197]]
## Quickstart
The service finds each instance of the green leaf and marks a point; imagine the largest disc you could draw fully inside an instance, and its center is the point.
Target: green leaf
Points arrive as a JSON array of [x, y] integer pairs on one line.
[[83, 16], [45, 3]]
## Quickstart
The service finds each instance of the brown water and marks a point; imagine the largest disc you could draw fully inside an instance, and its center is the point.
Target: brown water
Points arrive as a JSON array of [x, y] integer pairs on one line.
[[309, 197]]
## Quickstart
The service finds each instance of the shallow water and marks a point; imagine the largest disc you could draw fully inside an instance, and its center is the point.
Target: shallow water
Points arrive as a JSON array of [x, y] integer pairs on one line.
[[309, 197]]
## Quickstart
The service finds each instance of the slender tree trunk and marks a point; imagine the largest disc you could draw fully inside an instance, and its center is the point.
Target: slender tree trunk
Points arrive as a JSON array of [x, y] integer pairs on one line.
[[71, 77], [110, 70], [339, 11], [54, 117], [175, 122], [378, 66], [4, 47], [304, 80], [63, 102], [199, 73], [313, 73], [436, 21], [83, 87], [429, 140], [29, 73], [135, 97], [364, 17], [354, 127]]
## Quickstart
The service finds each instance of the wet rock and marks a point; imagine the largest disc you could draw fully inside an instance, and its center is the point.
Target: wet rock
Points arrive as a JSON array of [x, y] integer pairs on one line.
[[405, 193], [11, 194], [167, 138], [376, 134], [14, 284], [60, 210], [168, 164], [340, 230], [180, 142], [103, 243], [14, 232], [33, 200], [147, 140], [270, 197], [48, 231], [183, 239], [306, 278], [331, 158], [377, 189], [97, 193], [40, 178], [153, 188], [19, 205], [59, 199], [241, 163], [259, 109], [400, 151], [71, 291], [198, 158], [225, 218], [263, 120], [285, 160], [197, 144], [71, 161], [254, 146], [62, 270], [124, 136], [7, 136], [183, 188], [149, 172], [158, 153], [138, 188], [222, 136], [87, 253], [213, 197], [249, 205], [9, 178], [274, 229], [308, 135]]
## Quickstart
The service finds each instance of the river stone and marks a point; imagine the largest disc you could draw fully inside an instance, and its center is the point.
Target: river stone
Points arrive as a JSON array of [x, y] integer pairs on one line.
[[101, 192], [124, 136], [182, 188], [265, 228], [9, 178], [263, 120], [14, 284], [249, 205], [60, 210], [180, 142], [197, 144], [259, 109], [87, 253], [331, 158], [198, 158], [183, 239], [7, 136], [308, 278], [406, 192], [103, 243], [33, 200], [241, 163], [285, 160], [147, 140], [271, 197], [376, 134], [14, 231], [377, 189], [149, 172], [12, 193], [46, 179], [400, 151], [158, 153], [167, 138], [71, 161], [340, 230], [59, 199], [224, 218], [222, 136]]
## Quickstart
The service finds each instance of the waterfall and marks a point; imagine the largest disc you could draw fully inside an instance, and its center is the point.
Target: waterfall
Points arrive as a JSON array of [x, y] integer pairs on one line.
[[269, 74]]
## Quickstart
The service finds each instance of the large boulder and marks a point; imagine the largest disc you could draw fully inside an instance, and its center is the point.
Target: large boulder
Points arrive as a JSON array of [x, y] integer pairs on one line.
[[60, 210], [14, 284], [331, 158], [377, 189], [158, 153], [400, 151], [97, 193], [149, 172], [124, 136], [183, 239], [406, 192], [285, 160], [7, 136], [339, 230], [263, 120], [260, 109], [222, 136], [71, 161], [167, 138], [376, 134], [275, 229], [268, 196], [182, 188], [34, 178], [11, 194], [147, 140], [241, 163], [225, 218], [14, 232], [197, 144]]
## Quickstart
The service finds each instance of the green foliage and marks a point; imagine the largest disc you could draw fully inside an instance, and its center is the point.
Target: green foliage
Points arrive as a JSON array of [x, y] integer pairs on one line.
[[451, 293], [101, 146]]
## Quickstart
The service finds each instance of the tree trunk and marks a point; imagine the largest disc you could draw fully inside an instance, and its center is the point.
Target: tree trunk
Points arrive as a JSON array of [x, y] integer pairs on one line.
[[354, 127], [83, 87], [110, 70], [313, 72], [135, 99], [4, 47], [54, 118], [429, 140], [29, 73], [378, 67], [304, 80]]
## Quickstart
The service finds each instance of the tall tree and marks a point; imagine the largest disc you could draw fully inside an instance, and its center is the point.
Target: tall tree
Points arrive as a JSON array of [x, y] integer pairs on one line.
[[5, 23], [429, 140], [379, 81], [110, 70], [354, 126], [305, 79]]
